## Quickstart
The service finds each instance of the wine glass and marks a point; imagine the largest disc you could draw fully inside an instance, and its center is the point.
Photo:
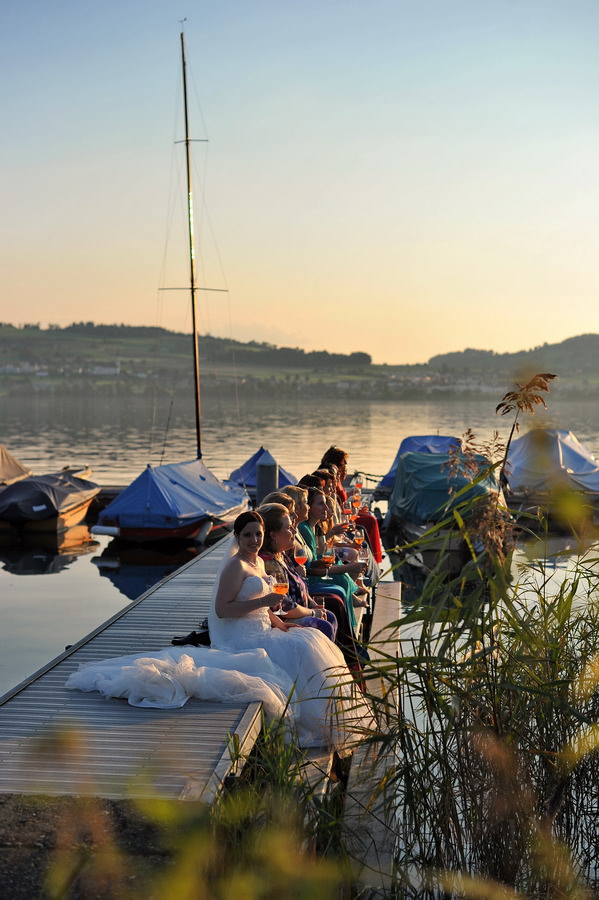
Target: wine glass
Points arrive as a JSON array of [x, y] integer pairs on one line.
[[328, 558], [280, 585], [300, 554]]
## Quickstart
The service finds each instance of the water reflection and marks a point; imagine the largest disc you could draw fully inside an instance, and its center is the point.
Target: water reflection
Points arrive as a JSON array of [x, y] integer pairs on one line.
[[135, 569], [45, 554]]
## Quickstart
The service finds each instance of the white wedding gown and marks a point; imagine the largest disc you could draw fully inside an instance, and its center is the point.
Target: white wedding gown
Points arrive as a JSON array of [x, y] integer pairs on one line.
[[299, 674]]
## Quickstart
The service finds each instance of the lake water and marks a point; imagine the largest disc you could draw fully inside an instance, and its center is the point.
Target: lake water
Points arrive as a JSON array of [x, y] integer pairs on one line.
[[50, 598]]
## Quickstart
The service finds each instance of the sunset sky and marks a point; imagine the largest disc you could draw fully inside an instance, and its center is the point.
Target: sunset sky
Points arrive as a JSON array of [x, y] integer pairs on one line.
[[402, 177]]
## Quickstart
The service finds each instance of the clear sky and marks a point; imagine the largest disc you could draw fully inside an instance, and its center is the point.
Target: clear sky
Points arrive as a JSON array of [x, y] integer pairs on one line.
[[402, 177]]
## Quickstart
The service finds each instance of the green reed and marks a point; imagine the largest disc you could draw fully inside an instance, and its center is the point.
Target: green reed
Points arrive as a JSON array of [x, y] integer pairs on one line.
[[497, 764]]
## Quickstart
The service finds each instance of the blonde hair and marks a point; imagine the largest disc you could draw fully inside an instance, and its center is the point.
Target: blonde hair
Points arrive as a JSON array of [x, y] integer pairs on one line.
[[297, 494], [278, 497], [272, 515]]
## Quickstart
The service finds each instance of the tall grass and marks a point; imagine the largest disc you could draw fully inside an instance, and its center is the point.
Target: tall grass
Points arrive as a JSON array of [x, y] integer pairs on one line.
[[497, 769], [497, 773]]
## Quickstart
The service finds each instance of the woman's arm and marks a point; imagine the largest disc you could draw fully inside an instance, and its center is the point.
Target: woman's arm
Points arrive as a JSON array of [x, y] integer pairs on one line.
[[298, 612], [227, 605]]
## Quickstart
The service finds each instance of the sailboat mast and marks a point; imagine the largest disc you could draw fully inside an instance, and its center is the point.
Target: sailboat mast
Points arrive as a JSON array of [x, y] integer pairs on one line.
[[192, 261]]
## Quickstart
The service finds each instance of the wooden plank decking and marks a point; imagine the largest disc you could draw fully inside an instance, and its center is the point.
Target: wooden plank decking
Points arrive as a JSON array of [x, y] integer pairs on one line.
[[369, 820], [56, 741]]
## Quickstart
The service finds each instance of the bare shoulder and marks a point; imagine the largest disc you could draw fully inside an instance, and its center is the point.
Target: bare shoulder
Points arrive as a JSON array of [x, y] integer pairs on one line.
[[232, 573]]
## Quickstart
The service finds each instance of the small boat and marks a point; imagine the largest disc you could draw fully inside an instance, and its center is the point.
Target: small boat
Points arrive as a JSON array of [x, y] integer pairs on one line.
[[247, 474], [46, 503], [181, 501], [11, 469], [426, 491], [184, 499], [544, 466], [420, 443]]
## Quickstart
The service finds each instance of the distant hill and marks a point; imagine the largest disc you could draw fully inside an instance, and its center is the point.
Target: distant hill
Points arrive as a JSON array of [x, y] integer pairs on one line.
[[133, 359], [571, 358], [84, 344]]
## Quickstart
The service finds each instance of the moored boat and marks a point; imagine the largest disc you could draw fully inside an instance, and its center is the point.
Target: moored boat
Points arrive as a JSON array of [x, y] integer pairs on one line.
[[246, 475], [428, 488], [49, 503], [420, 443], [181, 500], [11, 469], [544, 467]]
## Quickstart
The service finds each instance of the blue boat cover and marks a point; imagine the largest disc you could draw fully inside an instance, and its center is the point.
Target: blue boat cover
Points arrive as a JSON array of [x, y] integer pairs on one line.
[[424, 489], [245, 475], [425, 443], [544, 457], [173, 495]]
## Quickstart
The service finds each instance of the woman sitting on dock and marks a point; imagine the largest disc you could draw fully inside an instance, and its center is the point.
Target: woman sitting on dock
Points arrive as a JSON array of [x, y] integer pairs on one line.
[[329, 593], [296, 672], [298, 606]]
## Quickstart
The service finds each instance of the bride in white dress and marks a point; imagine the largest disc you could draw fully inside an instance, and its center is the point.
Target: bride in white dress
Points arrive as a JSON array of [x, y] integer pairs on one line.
[[297, 673]]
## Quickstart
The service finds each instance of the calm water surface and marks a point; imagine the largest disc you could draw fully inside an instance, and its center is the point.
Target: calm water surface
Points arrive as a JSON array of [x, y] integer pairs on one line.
[[50, 598]]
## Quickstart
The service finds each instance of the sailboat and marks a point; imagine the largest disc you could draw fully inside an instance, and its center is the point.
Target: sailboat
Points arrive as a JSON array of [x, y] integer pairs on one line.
[[185, 499]]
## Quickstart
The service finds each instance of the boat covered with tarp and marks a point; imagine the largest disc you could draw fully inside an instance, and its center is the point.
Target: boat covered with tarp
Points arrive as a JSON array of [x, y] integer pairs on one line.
[[10, 468], [52, 503], [415, 443], [545, 462], [178, 500], [428, 487], [247, 474]]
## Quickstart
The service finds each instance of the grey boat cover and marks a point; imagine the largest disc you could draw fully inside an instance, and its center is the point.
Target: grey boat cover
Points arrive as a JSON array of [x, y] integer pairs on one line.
[[44, 496], [546, 457], [425, 489], [10, 467]]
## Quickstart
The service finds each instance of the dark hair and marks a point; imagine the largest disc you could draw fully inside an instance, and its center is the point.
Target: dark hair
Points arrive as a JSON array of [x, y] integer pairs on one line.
[[311, 481], [334, 455], [324, 475], [272, 514], [245, 518]]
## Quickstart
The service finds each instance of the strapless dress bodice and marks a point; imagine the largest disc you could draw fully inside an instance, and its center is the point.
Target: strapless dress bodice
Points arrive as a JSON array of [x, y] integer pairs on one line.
[[246, 631]]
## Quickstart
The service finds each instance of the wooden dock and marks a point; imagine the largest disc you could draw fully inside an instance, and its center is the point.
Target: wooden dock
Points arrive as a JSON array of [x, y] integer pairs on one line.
[[369, 825], [56, 741]]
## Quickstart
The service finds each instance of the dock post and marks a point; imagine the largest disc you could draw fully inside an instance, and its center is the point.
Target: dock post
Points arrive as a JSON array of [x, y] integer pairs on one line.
[[267, 476]]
